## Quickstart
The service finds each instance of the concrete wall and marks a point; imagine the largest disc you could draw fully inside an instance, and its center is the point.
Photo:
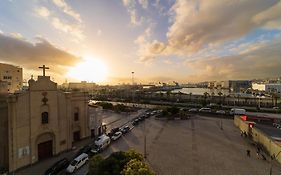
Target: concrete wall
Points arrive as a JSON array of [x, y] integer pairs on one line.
[[241, 124], [267, 142], [259, 137], [4, 149]]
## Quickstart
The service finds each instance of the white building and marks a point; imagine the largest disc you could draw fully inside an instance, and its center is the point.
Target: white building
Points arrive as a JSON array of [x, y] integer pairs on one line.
[[12, 75], [267, 87], [83, 85]]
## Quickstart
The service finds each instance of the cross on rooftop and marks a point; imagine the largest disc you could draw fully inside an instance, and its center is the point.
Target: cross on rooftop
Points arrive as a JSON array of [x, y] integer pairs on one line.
[[44, 69]]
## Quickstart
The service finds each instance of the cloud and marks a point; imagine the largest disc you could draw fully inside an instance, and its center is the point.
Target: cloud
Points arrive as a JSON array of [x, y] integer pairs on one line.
[[143, 3], [74, 29], [200, 24], [42, 11], [258, 60], [131, 8], [67, 9], [30, 55]]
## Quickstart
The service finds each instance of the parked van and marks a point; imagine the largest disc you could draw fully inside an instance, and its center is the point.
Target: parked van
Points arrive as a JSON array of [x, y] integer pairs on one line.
[[205, 110], [78, 162], [237, 111], [102, 141]]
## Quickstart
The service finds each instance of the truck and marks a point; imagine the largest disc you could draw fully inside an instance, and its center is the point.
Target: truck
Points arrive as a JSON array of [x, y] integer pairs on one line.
[[237, 111]]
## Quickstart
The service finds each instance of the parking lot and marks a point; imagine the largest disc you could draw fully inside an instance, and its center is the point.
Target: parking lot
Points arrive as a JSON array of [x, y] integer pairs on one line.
[[196, 146]]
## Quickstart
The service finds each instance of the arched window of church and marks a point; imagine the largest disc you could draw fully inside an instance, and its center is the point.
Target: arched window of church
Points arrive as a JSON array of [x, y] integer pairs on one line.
[[45, 117], [76, 114]]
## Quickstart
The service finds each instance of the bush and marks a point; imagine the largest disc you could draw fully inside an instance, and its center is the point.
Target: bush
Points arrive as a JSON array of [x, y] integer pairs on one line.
[[173, 110], [136, 167], [119, 163]]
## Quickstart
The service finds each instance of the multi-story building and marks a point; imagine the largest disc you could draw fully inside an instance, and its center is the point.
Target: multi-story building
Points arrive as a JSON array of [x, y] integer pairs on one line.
[[12, 75], [276, 87], [237, 85], [83, 86]]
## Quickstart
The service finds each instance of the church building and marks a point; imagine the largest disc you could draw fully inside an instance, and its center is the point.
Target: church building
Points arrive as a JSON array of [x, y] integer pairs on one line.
[[41, 122]]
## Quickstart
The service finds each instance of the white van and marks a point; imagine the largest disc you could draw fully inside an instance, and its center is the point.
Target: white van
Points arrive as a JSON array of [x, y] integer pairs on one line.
[[237, 111], [77, 162], [205, 110], [102, 141]]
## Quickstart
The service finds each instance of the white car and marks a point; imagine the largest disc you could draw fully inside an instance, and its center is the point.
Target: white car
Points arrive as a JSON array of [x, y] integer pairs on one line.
[[193, 110], [220, 112], [116, 135], [78, 162]]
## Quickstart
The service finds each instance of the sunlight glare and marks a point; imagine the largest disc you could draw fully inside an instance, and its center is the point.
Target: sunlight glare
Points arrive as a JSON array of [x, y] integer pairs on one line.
[[90, 70]]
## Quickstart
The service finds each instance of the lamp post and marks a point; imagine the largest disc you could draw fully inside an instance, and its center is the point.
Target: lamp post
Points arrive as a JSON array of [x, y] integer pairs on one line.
[[275, 157], [133, 94], [144, 141]]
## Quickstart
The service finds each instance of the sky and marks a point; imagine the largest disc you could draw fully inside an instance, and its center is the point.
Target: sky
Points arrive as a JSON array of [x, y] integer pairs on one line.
[[104, 41]]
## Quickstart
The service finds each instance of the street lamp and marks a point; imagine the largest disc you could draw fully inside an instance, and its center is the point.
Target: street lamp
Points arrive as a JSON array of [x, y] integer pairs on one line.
[[144, 141], [275, 157]]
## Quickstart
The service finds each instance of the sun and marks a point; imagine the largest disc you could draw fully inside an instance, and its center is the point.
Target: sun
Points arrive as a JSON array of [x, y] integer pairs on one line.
[[90, 70]]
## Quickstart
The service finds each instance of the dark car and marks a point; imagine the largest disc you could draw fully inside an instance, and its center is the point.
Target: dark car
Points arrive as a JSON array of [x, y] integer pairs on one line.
[[135, 121], [113, 131], [141, 118], [125, 129], [86, 149], [57, 167], [94, 151]]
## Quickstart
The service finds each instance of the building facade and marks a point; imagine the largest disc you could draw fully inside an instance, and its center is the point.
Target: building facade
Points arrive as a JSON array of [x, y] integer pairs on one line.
[[41, 122], [12, 75], [239, 85], [276, 88], [95, 115]]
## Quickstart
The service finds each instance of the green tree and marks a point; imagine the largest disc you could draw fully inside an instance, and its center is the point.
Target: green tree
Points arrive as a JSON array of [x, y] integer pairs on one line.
[[205, 95], [117, 163], [94, 165], [136, 167]]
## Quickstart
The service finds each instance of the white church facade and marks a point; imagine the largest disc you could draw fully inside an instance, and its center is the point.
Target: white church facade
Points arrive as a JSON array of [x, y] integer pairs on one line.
[[41, 122]]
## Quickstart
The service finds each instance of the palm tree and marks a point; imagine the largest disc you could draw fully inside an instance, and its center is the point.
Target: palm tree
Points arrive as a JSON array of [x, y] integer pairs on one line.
[[220, 94], [206, 95], [190, 94]]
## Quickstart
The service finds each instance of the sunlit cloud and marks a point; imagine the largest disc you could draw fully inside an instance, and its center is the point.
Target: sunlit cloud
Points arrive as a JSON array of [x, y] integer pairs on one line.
[[258, 60], [42, 11], [135, 19], [20, 51], [193, 28], [67, 9], [74, 29]]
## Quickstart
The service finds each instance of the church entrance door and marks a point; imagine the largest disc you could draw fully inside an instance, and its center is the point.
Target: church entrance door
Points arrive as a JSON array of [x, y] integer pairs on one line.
[[45, 150], [76, 136]]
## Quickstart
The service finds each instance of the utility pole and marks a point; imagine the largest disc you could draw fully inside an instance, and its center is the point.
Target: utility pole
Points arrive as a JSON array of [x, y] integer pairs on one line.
[[133, 78], [144, 141], [133, 86]]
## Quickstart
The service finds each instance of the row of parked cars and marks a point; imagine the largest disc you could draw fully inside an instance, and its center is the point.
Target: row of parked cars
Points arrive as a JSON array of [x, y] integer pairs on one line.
[[101, 143], [233, 111], [137, 120]]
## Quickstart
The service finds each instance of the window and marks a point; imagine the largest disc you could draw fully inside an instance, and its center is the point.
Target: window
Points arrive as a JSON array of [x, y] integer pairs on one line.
[[76, 116], [45, 117], [7, 77]]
